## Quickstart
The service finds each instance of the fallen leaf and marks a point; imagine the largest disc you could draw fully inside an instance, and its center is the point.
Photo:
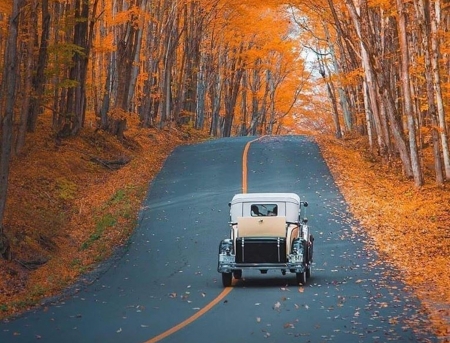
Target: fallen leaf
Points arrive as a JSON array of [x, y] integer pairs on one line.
[[277, 306]]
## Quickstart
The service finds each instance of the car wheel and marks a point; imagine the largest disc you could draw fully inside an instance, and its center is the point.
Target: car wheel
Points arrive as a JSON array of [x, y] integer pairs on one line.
[[301, 278], [237, 274], [308, 272], [226, 279]]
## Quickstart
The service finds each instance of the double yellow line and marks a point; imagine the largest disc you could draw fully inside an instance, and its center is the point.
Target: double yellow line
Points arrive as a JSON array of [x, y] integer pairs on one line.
[[227, 290]]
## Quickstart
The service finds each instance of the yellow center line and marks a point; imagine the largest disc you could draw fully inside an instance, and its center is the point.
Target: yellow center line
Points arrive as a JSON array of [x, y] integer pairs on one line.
[[244, 166], [227, 290], [193, 318]]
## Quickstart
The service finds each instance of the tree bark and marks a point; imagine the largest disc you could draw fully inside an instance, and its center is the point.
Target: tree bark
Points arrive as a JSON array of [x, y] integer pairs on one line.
[[370, 78], [9, 88], [31, 33], [435, 53], [407, 96], [423, 17], [332, 96], [39, 80], [233, 81], [76, 96]]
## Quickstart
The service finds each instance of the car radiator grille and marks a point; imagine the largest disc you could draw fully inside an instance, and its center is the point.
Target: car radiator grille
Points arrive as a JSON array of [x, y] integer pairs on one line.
[[261, 250]]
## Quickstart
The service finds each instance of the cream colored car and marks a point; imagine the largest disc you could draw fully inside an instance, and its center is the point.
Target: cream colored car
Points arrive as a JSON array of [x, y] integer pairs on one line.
[[267, 231]]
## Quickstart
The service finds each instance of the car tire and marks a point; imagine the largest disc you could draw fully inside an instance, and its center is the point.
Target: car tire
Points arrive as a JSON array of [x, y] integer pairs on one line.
[[226, 279], [308, 272], [301, 278], [237, 274]]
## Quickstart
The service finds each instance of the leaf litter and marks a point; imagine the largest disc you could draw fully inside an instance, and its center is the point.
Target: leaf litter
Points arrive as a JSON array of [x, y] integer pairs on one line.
[[407, 226]]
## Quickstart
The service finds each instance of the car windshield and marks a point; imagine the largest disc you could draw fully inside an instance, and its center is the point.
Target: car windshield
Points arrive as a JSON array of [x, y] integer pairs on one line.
[[258, 210]]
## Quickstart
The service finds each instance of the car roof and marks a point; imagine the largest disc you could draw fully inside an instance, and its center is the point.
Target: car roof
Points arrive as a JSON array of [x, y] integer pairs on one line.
[[265, 197]]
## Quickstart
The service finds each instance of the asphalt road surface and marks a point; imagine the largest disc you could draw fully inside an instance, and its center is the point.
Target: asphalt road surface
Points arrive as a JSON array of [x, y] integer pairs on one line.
[[165, 287]]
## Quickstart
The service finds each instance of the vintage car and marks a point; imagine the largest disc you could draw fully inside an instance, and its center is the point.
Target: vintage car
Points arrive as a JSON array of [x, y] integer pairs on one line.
[[268, 231]]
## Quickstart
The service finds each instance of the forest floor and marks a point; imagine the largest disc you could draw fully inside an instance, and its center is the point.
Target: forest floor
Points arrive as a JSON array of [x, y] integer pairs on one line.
[[408, 227], [72, 202]]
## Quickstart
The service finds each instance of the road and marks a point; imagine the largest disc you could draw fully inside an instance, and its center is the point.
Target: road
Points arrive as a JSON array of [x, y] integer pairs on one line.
[[165, 288]]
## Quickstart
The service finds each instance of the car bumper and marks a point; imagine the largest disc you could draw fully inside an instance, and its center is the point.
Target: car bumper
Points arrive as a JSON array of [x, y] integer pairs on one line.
[[230, 266]]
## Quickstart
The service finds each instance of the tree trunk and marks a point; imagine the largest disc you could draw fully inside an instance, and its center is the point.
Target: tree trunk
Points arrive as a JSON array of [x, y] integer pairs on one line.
[[39, 79], [215, 97], [435, 53], [407, 97], [8, 88], [370, 77], [423, 17], [76, 96], [201, 96], [232, 90], [255, 86], [348, 118], [369, 115], [31, 33], [332, 96]]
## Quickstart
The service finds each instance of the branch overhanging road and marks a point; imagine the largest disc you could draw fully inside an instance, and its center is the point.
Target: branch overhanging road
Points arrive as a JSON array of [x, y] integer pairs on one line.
[[168, 273]]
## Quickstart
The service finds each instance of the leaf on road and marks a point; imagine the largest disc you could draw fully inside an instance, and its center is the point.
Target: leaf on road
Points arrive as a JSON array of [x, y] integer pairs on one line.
[[119, 331], [393, 321], [277, 306], [172, 295]]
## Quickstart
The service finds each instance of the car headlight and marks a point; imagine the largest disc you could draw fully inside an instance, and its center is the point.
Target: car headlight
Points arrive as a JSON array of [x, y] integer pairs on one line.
[[297, 247], [226, 247]]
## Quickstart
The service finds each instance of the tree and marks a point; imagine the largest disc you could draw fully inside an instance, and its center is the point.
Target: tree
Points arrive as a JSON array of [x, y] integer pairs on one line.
[[39, 79], [8, 87], [423, 17], [407, 96]]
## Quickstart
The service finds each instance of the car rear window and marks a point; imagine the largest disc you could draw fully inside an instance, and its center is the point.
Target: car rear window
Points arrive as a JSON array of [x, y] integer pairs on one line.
[[263, 210]]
